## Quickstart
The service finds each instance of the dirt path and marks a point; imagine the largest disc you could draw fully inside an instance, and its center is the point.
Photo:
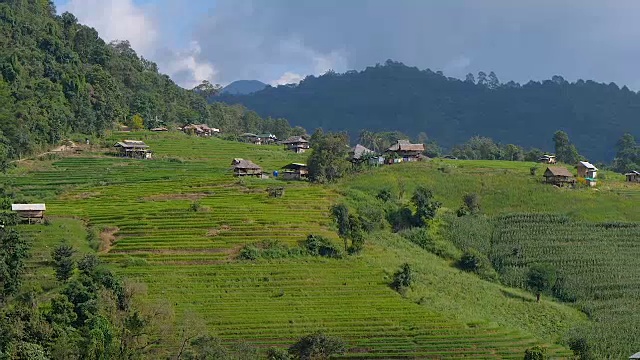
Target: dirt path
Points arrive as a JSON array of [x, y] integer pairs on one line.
[[55, 150]]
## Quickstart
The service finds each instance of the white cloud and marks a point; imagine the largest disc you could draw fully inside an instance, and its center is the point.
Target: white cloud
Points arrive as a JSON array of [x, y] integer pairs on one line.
[[186, 67], [287, 78], [117, 20], [124, 20], [457, 65]]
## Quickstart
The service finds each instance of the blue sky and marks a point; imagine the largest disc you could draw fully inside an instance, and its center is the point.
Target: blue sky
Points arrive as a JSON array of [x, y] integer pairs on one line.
[[281, 41]]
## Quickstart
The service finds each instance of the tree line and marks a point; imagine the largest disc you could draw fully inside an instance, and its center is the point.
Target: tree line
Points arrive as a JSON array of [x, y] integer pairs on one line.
[[393, 96]]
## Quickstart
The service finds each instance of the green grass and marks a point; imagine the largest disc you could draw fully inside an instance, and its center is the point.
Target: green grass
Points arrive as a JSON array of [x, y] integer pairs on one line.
[[189, 256]]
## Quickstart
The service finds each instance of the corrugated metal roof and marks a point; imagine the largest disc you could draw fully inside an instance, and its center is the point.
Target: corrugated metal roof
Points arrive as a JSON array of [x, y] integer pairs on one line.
[[28, 207], [635, 356], [588, 165]]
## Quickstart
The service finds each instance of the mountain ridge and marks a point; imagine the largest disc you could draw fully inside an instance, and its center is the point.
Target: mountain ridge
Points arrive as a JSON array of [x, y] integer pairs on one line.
[[394, 96]]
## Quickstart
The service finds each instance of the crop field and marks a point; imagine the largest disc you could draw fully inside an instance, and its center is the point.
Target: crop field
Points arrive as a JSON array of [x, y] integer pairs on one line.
[[185, 217], [597, 263], [504, 187]]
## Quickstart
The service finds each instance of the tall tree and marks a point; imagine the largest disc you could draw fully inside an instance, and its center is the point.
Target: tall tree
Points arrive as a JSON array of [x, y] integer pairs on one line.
[[327, 161], [565, 150], [627, 155]]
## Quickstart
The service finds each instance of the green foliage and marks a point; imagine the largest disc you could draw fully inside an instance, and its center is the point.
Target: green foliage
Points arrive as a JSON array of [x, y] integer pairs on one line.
[[541, 278], [13, 252], [317, 346], [320, 246], [63, 259], [269, 249], [274, 353], [58, 77], [433, 244], [385, 195], [535, 353], [349, 228], [627, 155], [581, 348], [327, 162], [565, 151], [395, 95], [403, 278], [470, 206], [426, 206], [474, 261]]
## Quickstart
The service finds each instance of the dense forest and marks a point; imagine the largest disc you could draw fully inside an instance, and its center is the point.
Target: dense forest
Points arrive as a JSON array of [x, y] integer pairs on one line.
[[393, 96], [58, 77]]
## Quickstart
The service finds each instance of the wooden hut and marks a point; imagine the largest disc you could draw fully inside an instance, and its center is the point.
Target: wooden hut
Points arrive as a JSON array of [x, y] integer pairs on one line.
[[587, 170], [547, 159], [633, 176], [159, 129], [404, 150], [29, 211], [295, 171], [200, 129], [558, 175], [242, 167], [297, 144], [251, 138], [267, 138], [134, 149]]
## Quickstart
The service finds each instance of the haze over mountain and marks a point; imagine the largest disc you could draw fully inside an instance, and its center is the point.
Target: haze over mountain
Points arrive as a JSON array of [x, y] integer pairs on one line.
[[243, 87], [394, 96]]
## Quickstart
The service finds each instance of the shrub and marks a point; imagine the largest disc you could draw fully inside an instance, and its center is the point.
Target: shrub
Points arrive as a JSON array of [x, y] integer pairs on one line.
[[400, 217], [541, 278], [533, 170], [385, 195], [195, 206], [63, 259], [422, 238], [474, 261], [403, 278], [277, 354], [535, 353], [320, 246], [317, 346], [581, 348], [9, 218]]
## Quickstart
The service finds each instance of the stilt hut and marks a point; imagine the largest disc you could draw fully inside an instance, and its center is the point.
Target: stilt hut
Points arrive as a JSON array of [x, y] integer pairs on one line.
[[29, 212]]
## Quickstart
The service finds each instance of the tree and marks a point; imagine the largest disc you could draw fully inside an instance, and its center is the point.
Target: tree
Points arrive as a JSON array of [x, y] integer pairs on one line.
[[63, 260], [328, 162], [341, 215], [627, 155], [317, 346], [493, 82], [541, 278], [403, 278], [207, 90], [274, 353], [13, 252], [426, 206], [137, 122], [565, 151], [470, 78], [482, 78]]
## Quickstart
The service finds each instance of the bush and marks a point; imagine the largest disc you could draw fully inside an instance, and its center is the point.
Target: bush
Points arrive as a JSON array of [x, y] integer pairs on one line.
[[385, 195], [422, 238], [400, 217], [317, 346], [474, 261], [63, 259], [403, 278], [9, 218], [195, 206], [535, 353], [321, 246], [269, 249], [277, 354], [581, 348]]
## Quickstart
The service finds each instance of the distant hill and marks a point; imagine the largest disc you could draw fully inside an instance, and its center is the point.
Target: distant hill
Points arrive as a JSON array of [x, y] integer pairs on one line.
[[394, 96], [243, 87]]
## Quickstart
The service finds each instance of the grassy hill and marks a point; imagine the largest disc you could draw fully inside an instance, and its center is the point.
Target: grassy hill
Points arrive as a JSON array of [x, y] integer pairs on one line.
[[178, 222]]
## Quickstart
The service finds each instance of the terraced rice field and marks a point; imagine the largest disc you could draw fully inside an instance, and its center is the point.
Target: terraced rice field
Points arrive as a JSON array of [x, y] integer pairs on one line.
[[146, 211]]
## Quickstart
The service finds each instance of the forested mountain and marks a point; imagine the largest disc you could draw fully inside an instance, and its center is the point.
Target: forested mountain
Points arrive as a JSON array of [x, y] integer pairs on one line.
[[243, 87], [397, 97], [58, 77]]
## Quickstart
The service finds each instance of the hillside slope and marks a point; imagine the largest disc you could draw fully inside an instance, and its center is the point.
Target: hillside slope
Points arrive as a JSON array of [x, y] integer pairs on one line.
[[243, 87], [397, 97], [58, 77], [188, 257]]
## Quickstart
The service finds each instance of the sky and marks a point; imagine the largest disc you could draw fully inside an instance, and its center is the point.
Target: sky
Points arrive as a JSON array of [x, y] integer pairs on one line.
[[282, 41]]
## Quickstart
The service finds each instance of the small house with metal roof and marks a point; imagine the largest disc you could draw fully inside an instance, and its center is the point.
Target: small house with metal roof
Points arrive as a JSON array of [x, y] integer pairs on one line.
[[135, 149], [587, 170], [29, 211], [633, 176], [295, 171], [297, 144]]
